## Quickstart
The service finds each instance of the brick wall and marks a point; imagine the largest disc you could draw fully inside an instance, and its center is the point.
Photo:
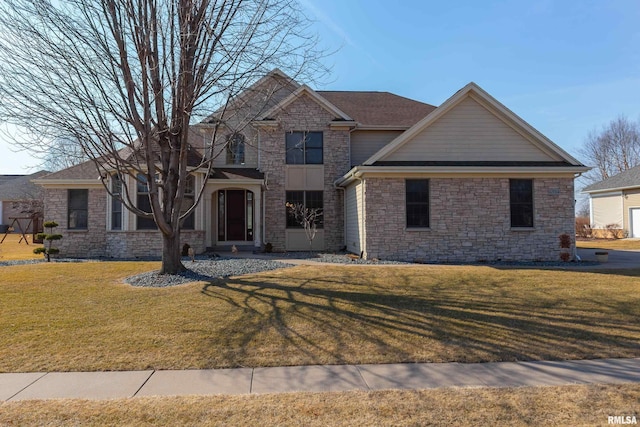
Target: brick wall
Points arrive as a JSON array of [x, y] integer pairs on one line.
[[469, 222], [304, 114], [78, 243], [148, 243], [96, 241]]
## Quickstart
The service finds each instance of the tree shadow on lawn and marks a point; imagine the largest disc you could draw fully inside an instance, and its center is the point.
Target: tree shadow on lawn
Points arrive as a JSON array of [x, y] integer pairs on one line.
[[321, 320]]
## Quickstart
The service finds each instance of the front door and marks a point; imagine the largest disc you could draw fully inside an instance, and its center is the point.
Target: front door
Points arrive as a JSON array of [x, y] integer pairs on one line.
[[236, 215]]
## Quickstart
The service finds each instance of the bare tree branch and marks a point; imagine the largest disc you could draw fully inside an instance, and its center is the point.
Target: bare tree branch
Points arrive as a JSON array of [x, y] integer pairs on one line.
[[125, 81]]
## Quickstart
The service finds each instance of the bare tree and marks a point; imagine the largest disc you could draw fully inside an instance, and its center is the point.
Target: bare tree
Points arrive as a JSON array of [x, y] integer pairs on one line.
[[308, 218], [613, 149], [62, 154], [126, 79]]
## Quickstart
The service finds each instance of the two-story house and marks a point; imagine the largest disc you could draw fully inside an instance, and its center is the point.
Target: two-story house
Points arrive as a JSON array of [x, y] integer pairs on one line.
[[395, 179]]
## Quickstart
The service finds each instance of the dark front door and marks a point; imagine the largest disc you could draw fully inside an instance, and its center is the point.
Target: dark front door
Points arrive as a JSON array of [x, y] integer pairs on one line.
[[236, 215]]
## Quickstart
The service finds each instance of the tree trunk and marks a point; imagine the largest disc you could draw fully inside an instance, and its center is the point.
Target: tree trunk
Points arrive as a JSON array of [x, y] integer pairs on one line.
[[171, 254]]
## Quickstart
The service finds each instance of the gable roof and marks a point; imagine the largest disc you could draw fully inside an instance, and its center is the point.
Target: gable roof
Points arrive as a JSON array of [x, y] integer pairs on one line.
[[371, 109], [20, 187], [285, 84], [626, 179], [498, 109], [306, 90]]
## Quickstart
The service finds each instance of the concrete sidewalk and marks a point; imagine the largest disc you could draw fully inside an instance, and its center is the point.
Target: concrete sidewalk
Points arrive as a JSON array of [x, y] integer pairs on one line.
[[112, 385]]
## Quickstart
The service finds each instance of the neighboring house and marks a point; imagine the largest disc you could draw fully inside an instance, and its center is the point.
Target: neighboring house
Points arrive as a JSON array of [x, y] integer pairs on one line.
[[614, 203], [20, 198], [395, 179]]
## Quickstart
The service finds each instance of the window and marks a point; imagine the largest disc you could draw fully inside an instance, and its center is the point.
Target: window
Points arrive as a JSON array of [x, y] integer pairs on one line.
[[188, 200], [144, 204], [235, 149], [417, 203], [304, 148], [78, 209], [116, 205], [308, 199], [521, 199]]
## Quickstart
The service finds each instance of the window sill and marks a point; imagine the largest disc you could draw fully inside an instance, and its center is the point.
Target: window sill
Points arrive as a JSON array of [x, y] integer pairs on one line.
[[78, 230], [417, 229], [523, 229]]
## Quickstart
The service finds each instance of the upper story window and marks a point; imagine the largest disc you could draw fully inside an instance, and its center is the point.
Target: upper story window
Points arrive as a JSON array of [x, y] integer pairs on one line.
[[417, 203], [116, 204], [235, 149], [521, 200], [144, 204], [304, 148], [78, 209]]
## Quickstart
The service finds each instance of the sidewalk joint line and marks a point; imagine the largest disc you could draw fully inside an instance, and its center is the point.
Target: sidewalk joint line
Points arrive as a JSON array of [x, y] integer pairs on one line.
[[143, 383], [27, 386], [251, 382], [361, 376]]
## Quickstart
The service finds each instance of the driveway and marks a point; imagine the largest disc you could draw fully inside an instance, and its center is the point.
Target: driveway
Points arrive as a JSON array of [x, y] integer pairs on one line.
[[628, 258]]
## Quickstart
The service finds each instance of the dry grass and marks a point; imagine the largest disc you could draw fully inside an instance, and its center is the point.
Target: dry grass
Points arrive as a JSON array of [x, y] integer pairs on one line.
[[11, 250], [538, 406], [613, 244], [80, 317]]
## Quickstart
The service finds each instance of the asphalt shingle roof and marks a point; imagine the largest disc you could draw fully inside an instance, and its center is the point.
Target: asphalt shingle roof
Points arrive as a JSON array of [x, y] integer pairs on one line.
[[378, 108], [626, 179], [20, 187]]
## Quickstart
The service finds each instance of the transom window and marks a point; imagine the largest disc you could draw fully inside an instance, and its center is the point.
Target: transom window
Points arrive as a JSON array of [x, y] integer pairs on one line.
[[417, 203], [78, 209], [304, 148], [521, 200], [235, 149]]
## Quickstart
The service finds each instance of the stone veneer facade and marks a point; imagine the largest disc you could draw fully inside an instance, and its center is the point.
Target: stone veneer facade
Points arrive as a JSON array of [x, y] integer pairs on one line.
[[469, 221], [96, 241], [303, 114]]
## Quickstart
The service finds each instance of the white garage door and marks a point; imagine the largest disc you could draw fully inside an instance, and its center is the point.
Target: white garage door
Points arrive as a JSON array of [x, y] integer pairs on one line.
[[635, 222]]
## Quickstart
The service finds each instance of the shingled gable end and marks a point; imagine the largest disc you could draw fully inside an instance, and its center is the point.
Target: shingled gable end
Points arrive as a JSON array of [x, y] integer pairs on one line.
[[395, 178]]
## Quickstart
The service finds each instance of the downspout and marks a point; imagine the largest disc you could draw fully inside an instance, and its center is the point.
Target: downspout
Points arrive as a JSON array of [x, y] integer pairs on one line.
[[264, 210], [575, 246]]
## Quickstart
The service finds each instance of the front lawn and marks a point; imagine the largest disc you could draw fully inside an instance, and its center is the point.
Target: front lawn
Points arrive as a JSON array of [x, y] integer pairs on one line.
[[11, 249], [81, 317], [613, 244], [579, 405]]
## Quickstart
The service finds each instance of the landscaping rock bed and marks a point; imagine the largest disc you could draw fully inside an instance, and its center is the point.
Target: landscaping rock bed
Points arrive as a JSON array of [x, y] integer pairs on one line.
[[205, 270]]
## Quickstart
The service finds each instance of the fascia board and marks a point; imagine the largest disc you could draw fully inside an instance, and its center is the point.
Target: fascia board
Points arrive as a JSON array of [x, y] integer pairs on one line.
[[68, 183]]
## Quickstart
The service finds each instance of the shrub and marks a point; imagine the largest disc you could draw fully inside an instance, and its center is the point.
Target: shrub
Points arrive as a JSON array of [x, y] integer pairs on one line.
[[583, 228], [49, 237], [615, 232], [565, 256], [185, 249], [565, 240]]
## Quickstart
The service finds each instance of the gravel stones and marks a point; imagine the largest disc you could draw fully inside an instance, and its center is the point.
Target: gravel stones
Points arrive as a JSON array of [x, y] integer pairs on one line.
[[205, 270]]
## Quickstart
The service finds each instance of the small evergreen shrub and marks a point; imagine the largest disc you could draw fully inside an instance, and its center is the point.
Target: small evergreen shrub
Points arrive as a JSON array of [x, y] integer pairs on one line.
[[48, 237]]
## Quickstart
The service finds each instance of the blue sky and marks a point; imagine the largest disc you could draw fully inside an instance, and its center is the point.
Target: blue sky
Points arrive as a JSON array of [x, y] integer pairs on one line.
[[564, 66]]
